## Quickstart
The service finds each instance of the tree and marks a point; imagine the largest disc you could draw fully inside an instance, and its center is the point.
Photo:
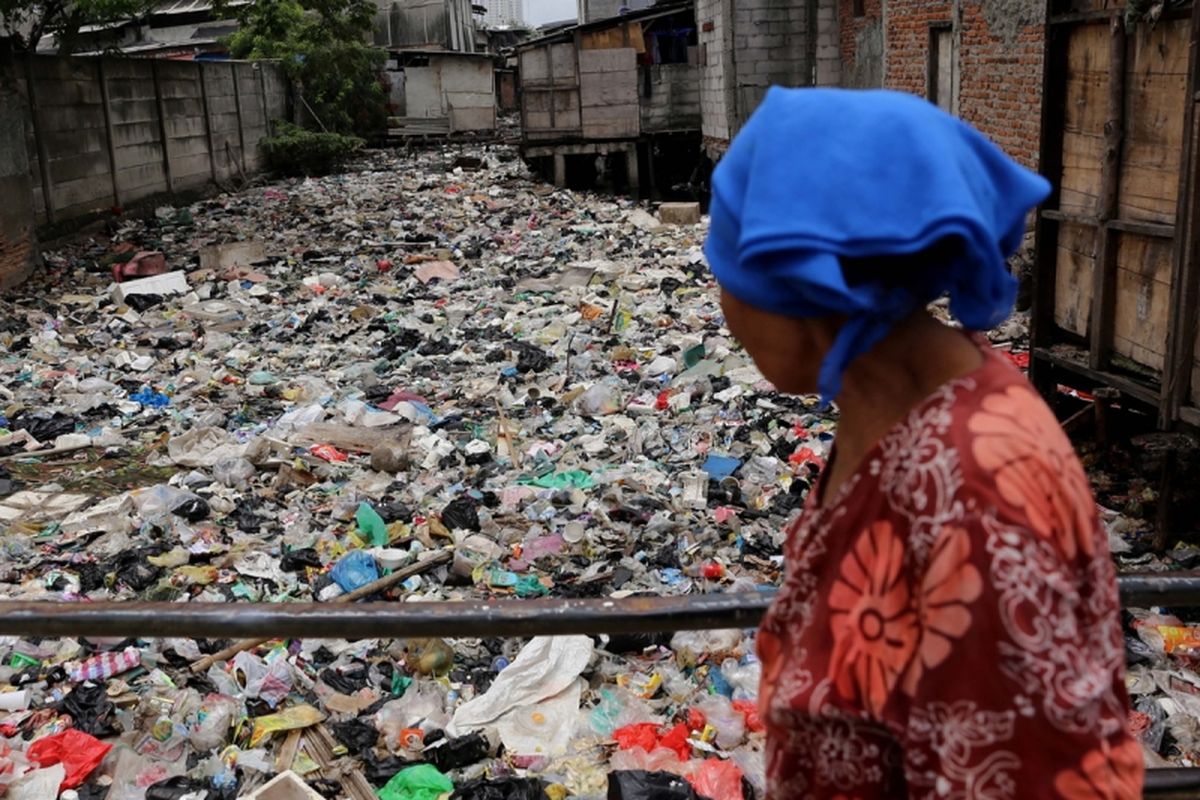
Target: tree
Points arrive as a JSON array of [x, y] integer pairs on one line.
[[27, 22], [321, 44]]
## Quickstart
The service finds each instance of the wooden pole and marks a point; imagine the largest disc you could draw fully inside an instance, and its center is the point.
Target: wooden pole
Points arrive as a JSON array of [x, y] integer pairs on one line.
[[1105, 276]]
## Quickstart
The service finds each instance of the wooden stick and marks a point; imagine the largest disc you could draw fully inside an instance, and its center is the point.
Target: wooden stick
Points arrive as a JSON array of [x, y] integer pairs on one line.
[[387, 581], [507, 436]]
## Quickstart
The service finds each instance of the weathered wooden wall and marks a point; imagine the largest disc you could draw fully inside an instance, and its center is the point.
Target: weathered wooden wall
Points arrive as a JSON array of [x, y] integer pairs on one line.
[[1116, 272], [608, 93], [106, 132]]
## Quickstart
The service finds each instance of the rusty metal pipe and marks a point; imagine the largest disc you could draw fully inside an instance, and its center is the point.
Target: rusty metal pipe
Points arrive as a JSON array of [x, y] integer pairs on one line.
[[477, 618]]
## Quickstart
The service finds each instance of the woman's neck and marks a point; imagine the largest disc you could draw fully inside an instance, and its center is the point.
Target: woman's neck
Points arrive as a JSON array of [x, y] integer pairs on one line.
[[882, 386]]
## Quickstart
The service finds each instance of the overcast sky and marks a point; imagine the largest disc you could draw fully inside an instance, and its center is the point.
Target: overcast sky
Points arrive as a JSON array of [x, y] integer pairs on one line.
[[539, 11]]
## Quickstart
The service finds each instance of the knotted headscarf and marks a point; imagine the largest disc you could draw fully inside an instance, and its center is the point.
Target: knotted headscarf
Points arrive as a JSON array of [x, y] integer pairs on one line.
[[821, 178]]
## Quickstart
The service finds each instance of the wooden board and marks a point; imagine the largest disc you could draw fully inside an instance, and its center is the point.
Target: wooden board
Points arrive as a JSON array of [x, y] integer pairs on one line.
[[1084, 115], [1073, 277], [1143, 299], [609, 93], [627, 35], [1156, 90]]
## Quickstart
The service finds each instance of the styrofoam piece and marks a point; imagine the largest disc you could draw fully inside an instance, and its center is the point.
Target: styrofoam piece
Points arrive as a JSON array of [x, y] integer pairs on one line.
[[167, 283], [286, 785]]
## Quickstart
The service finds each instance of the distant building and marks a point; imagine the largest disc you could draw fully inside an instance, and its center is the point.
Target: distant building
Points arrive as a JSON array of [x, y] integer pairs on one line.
[[425, 25], [596, 10], [503, 13]]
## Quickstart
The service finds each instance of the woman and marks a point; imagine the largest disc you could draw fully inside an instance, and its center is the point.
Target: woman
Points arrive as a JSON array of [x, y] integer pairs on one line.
[[948, 624]]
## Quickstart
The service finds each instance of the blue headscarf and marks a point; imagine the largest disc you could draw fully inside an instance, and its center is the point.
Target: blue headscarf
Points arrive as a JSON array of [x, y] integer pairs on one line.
[[821, 175]]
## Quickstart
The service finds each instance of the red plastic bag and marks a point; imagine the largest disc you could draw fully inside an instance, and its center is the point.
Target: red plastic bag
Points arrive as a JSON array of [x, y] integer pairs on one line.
[[645, 735], [677, 740], [749, 710], [78, 752], [717, 779], [642, 734]]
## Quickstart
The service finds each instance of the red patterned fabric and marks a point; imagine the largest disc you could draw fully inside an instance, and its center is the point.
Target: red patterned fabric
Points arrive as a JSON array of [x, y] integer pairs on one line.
[[948, 626]]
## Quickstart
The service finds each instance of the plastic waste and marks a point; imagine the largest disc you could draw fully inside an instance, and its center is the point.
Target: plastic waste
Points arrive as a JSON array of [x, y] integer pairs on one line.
[[371, 525], [38, 784], [236, 473], [77, 752], [354, 570], [502, 789], [423, 782], [648, 786], [729, 723], [716, 778]]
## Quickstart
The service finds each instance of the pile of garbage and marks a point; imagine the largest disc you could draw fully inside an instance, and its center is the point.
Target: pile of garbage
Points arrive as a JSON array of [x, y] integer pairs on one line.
[[431, 378]]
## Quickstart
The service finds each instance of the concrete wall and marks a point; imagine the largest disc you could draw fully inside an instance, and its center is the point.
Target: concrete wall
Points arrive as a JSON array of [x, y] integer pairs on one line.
[[17, 246], [996, 60], [105, 133], [747, 46], [674, 101], [468, 85]]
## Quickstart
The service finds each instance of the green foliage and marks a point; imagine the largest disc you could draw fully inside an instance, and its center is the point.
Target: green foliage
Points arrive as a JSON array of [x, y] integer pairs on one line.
[[296, 151], [26, 22], [322, 45]]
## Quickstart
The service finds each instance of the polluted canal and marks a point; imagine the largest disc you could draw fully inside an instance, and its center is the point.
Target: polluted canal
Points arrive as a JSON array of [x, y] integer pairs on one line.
[[438, 378]]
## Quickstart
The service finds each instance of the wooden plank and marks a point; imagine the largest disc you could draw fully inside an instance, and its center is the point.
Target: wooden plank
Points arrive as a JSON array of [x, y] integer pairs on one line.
[[1143, 228], [1104, 286], [1143, 298], [1076, 265], [1182, 378], [1154, 122], [1054, 81], [1075, 360]]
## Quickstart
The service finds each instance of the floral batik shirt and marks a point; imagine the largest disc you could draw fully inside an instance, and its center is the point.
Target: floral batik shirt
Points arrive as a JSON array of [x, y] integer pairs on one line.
[[948, 625]]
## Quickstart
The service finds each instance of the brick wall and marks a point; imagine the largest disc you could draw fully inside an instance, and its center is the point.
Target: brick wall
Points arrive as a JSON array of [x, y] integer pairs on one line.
[[714, 18], [997, 58]]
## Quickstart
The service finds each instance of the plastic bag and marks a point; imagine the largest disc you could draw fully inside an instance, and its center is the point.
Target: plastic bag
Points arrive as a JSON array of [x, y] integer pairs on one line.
[[271, 681], [502, 789], [699, 643], [728, 722], [38, 785], [236, 473], [371, 525], [354, 570], [78, 752], [213, 721], [301, 716], [422, 782], [649, 786], [178, 788], [454, 754], [717, 779], [421, 701], [91, 709]]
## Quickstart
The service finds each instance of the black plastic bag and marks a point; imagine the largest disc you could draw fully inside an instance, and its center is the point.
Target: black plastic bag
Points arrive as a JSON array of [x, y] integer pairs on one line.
[[296, 560], [356, 735], [458, 753], [135, 571], [502, 789], [346, 681], [44, 427], [176, 787], [638, 785], [91, 710], [379, 771], [193, 509], [532, 359], [461, 514]]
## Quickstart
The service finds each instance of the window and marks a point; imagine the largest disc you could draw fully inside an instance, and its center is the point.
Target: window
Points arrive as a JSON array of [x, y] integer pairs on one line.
[[859, 10]]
